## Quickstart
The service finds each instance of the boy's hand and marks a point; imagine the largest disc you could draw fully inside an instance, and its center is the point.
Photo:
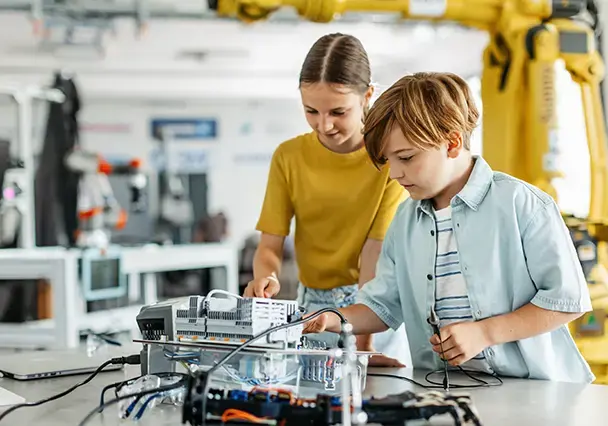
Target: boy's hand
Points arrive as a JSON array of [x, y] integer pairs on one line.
[[364, 343], [461, 341], [262, 287], [384, 361], [327, 321], [315, 325]]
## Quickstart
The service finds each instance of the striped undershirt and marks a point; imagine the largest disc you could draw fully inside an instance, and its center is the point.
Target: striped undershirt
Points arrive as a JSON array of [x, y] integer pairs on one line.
[[451, 299]]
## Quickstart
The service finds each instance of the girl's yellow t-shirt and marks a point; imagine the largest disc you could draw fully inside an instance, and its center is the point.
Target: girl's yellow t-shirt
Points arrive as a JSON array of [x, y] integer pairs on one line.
[[338, 200]]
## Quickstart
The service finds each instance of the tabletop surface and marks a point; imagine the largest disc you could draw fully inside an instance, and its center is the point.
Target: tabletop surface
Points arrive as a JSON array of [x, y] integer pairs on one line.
[[515, 402]]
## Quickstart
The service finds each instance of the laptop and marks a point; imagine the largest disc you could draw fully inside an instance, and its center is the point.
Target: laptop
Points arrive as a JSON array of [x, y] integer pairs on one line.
[[48, 364]]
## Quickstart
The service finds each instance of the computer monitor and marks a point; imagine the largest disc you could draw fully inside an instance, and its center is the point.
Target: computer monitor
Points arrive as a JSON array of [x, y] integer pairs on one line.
[[101, 274]]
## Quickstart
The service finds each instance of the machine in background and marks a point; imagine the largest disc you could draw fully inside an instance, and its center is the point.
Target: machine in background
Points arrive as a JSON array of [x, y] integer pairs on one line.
[[98, 210], [25, 299], [527, 38], [62, 197], [99, 214]]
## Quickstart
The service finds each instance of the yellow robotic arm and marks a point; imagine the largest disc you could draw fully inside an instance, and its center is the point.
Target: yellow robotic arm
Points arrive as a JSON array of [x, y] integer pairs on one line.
[[527, 38], [477, 13]]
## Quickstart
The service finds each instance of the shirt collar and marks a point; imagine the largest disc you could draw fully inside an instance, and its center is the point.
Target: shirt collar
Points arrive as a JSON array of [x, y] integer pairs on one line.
[[473, 192]]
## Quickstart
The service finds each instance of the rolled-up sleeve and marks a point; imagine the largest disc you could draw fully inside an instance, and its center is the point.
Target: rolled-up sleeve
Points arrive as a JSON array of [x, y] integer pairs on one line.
[[553, 263], [381, 294]]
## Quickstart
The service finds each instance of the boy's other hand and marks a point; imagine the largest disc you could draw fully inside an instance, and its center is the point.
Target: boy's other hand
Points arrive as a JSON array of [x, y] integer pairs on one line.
[[461, 341], [384, 361], [315, 325], [327, 321], [261, 287], [364, 344]]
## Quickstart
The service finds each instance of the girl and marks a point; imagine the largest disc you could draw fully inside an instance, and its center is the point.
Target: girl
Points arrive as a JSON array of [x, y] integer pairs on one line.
[[342, 204]]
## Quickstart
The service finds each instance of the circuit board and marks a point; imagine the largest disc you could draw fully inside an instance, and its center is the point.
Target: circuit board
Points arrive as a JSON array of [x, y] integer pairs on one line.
[[280, 407]]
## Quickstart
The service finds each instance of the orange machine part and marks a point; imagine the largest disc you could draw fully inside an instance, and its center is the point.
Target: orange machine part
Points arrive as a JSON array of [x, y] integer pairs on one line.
[[121, 222], [135, 163], [87, 214]]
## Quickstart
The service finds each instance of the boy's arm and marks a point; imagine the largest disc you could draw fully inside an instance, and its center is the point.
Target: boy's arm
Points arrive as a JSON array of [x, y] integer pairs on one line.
[[554, 265], [562, 294], [525, 322], [362, 318]]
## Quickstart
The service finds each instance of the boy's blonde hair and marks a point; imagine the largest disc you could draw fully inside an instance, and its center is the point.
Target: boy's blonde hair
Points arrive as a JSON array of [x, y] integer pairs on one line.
[[427, 106]]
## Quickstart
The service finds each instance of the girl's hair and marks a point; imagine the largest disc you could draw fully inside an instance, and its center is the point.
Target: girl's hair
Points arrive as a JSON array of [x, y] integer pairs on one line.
[[337, 59]]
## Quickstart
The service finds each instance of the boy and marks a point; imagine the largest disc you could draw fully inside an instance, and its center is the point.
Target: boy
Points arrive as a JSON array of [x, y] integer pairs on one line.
[[485, 253]]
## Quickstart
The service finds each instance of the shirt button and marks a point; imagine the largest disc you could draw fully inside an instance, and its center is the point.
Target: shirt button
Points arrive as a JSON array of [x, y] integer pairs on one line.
[[429, 277], [433, 233], [478, 313]]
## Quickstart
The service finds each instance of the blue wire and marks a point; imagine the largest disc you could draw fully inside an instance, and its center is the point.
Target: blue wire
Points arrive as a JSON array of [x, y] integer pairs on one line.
[[145, 404], [131, 407]]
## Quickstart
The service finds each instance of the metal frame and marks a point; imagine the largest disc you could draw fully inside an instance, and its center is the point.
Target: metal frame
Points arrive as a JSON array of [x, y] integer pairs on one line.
[[60, 267], [253, 348], [24, 97]]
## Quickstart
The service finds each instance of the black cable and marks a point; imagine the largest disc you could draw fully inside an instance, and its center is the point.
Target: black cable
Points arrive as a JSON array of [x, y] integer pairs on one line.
[[205, 375], [131, 359], [99, 409], [106, 337], [493, 375], [439, 385], [468, 373], [117, 386]]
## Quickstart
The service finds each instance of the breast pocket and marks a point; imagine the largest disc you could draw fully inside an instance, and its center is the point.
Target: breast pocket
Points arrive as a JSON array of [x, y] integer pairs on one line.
[[494, 266]]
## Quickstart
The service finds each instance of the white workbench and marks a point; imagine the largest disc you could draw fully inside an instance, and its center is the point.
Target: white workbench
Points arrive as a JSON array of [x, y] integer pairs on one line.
[[60, 267], [516, 402]]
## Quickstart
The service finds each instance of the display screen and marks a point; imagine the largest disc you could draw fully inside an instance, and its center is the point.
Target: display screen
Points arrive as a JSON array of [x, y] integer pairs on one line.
[[105, 273]]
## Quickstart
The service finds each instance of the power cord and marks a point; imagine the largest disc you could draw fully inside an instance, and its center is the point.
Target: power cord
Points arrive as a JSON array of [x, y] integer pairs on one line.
[[131, 359], [200, 379]]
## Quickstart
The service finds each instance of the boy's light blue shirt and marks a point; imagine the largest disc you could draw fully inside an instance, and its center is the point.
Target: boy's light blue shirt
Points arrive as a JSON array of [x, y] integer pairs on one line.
[[514, 249]]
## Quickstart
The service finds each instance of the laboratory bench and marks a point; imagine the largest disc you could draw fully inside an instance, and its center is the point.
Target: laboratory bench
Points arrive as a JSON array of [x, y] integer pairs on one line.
[[516, 402]]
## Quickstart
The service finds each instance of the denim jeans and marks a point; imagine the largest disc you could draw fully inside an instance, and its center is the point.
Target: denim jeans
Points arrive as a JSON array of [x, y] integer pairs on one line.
[[391, 343]]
